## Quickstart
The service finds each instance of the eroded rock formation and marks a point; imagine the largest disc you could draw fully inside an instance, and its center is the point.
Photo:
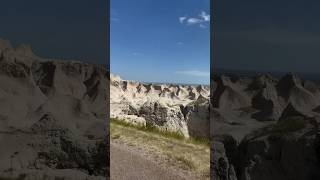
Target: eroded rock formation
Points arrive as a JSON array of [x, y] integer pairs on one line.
[[52, 117], [269, 131], [178, 108]]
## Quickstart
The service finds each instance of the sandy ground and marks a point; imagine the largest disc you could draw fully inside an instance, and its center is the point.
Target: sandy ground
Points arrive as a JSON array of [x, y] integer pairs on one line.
[[127, 163]]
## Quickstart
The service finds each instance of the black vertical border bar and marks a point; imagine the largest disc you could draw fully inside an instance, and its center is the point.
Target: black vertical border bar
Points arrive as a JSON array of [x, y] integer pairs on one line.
[[107, 20], [107, 57], [212, 58]]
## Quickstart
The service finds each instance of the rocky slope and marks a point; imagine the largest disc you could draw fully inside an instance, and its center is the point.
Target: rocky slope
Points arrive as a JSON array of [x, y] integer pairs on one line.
[[264, 128], [52, 117], [178, 108]]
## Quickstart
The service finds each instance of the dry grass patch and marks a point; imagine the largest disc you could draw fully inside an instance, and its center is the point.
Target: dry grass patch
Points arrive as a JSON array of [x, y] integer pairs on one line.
[[189, 154]]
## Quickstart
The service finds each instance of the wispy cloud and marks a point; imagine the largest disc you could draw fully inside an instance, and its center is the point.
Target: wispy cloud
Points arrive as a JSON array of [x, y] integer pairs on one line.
[[180, 43], [192, 21], [194, 73], [202, 18], [181, 19], [202, 26]]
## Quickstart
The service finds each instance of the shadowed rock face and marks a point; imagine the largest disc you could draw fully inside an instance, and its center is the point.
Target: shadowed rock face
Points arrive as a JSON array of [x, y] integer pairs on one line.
[[228, 93], [154, 113], [44, 74], [197, 115], [275, 136], [220, 166], [53, 117], [178, 108]]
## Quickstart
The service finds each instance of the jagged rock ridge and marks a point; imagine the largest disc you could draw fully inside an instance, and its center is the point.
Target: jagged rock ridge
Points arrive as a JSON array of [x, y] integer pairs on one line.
[[269, 131], [52, 117], [179, 108]]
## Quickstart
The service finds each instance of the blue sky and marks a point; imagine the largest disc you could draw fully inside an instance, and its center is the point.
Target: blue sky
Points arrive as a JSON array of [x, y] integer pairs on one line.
[[161, 41]]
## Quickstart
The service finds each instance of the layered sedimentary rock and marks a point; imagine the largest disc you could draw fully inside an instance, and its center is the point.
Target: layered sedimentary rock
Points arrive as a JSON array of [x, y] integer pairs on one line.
[[269, 131], [52, 117], [177, 108]]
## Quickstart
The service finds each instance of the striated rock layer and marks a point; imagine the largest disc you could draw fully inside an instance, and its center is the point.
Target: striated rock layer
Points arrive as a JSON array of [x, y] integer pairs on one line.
[[264, 128], [178, 108], [52, 117]]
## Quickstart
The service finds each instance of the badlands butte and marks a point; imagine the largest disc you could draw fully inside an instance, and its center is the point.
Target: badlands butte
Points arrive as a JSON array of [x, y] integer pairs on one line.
[[52, 117], [264, 128], [177, 108]]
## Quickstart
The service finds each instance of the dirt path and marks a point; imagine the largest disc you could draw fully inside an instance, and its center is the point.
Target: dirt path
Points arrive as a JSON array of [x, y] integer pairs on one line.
[[137, 154], [128, 163]]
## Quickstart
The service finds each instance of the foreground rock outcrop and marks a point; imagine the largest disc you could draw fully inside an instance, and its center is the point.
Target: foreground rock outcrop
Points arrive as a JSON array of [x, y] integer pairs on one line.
[[52, 117], [178, 108], [270, 130]]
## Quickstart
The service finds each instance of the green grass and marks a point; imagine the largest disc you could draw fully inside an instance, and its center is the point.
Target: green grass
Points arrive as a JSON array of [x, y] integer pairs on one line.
[[282, 127], [200, 140], [189, 154], [287, 126], [149, 128], [186, 162], [152, 129]]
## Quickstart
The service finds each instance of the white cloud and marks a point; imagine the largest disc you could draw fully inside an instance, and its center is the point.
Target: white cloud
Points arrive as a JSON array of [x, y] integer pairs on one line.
[[181, 19], [202, 18], [205, 16], [192, 21], [194, 73]]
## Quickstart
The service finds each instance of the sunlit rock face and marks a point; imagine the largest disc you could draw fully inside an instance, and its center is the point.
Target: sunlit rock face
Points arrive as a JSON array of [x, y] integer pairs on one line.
[[177, 108]]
